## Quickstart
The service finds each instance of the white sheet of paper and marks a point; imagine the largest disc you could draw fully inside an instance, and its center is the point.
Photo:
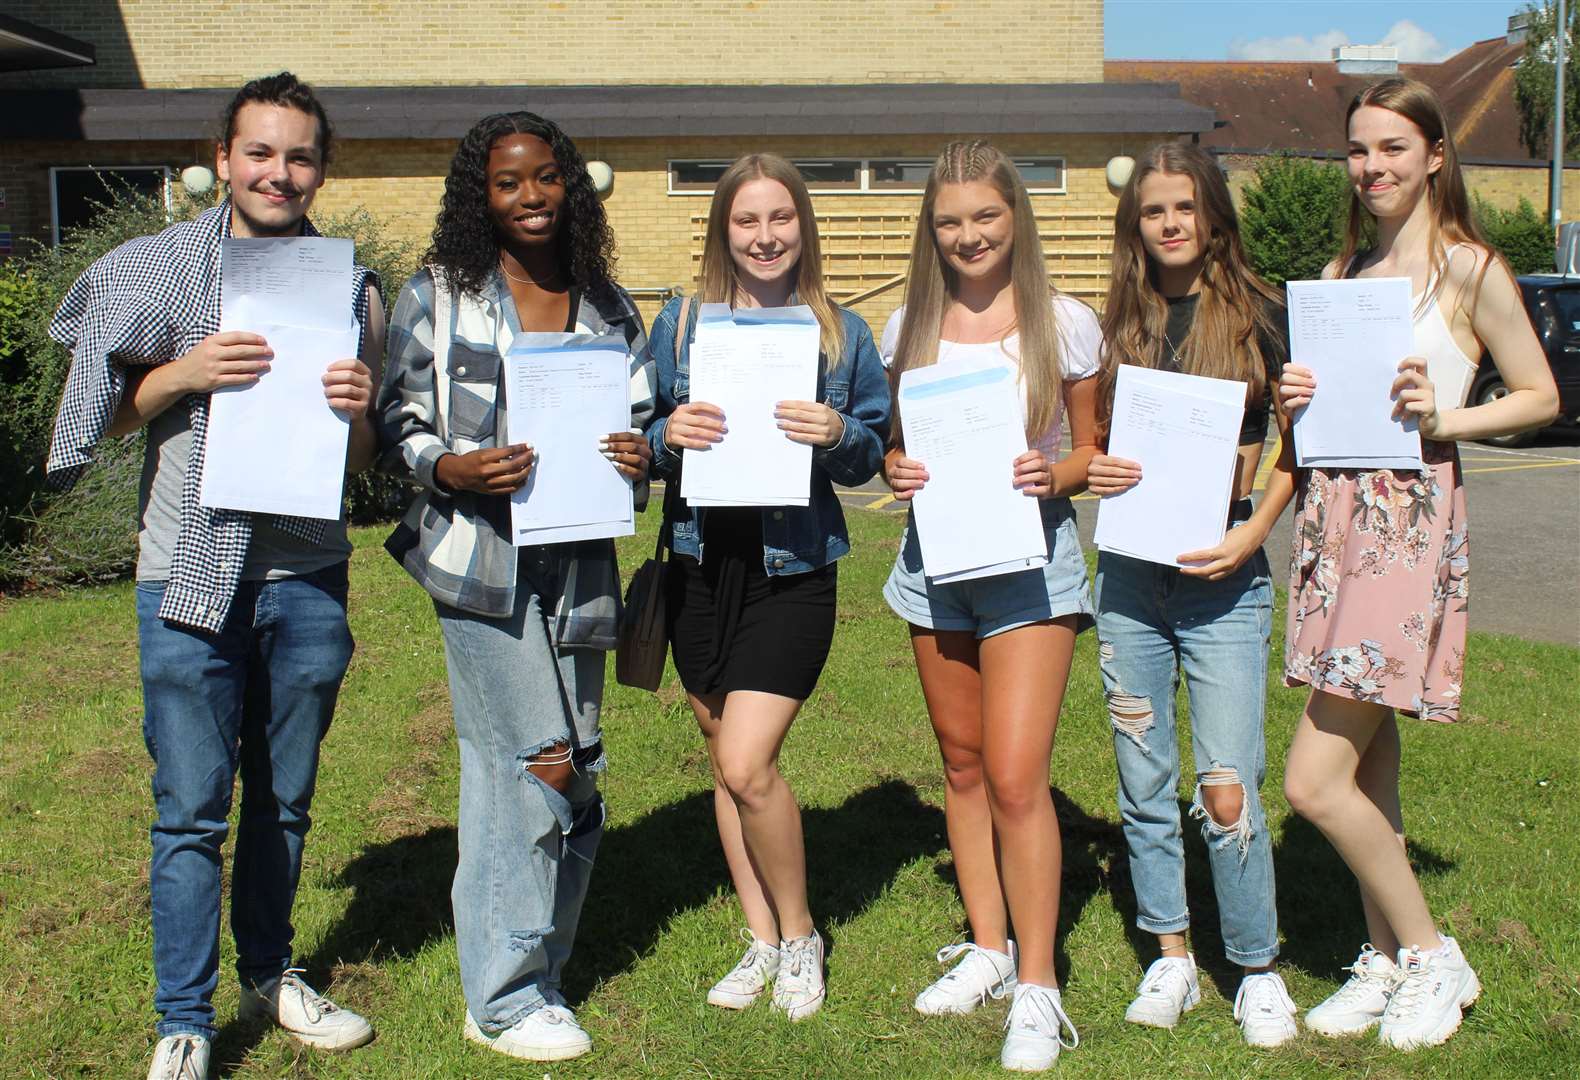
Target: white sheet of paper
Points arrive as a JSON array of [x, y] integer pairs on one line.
[[746, 362], [276, 446], [563, 394], [962, 420], [1352, 333], [1183, 430]]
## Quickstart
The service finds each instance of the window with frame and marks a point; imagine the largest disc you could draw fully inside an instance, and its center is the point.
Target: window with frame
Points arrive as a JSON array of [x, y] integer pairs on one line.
[[1042, 175], [78, 194], [820, 174]]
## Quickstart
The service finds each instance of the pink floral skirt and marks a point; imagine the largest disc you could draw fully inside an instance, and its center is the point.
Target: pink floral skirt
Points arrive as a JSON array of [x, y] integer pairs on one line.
[[1379, 589]]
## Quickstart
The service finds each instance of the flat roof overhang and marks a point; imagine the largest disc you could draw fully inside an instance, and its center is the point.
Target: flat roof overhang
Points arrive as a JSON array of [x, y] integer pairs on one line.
[[26, 47], [446, 112]]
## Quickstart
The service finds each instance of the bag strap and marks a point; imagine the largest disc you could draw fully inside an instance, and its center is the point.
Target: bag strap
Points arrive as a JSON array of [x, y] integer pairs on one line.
[[666, 531]]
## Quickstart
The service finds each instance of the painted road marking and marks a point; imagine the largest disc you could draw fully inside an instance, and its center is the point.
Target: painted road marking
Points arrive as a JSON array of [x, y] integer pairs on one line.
[[1529, 465], [881, 502]]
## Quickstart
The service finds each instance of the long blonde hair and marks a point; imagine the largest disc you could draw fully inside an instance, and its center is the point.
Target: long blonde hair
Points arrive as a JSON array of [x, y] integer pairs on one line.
[[1223, 339], [933, 285], [718, 282], [1451, 220]]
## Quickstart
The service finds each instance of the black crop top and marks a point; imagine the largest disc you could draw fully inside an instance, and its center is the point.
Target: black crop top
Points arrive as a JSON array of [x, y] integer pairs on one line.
[[1275, 354]]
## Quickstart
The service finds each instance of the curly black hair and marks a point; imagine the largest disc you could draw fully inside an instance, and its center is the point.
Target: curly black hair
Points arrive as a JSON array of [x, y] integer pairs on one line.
[[465, 246]]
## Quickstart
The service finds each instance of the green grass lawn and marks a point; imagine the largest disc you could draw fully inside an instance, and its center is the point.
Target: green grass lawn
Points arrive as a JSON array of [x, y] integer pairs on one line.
[[1490, 805]]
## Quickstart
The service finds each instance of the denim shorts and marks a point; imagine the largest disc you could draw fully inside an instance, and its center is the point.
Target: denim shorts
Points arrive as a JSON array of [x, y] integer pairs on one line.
[[992, 605]]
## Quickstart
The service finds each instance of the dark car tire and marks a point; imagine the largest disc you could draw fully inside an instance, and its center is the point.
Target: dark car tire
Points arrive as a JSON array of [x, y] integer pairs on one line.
[[1492, 390]]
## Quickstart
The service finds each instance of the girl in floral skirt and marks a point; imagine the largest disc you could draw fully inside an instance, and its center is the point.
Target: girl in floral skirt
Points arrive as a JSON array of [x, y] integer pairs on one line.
[[1377, 600]]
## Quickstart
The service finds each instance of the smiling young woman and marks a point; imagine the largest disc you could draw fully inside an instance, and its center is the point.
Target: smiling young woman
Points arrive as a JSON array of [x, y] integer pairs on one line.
[[1183, 298], [751, 605], [1379, 585], [994, 653], [520, 245]]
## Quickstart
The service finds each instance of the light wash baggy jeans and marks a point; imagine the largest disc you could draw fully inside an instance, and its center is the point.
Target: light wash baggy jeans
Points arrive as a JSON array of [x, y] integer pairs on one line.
[[526, 850], [1152, 623]]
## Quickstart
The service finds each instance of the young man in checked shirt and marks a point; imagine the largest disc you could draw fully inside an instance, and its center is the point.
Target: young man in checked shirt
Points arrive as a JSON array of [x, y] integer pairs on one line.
[[241, 617]]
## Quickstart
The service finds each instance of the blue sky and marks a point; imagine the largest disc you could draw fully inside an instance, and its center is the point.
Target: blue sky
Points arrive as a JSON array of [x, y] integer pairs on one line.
[[1424, 30]]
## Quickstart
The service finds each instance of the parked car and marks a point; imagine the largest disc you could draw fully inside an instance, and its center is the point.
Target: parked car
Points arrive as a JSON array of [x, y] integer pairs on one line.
[[1553, 303]]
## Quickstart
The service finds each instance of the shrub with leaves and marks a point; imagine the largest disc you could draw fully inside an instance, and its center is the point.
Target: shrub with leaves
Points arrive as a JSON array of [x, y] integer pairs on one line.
[[1523, 235], [1292, 217]]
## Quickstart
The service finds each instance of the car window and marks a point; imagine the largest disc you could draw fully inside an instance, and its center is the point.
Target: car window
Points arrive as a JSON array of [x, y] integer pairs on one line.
[[1566, 304]]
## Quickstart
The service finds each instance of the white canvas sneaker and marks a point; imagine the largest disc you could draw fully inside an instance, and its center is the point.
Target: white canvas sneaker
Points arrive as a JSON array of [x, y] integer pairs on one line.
[[1265, 1011], [1429, 997], [180, 1057], [549, 1033], [1034, 1032], [748, 979], [1168, 990], [1358, 1005], [798, 987], [981, 974], [305, 1014]]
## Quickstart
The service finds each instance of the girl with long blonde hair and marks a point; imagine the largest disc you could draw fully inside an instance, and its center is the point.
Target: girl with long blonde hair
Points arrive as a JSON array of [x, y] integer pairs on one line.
[[751, 621], [993, 653], [1379, 585], [1183, 298]]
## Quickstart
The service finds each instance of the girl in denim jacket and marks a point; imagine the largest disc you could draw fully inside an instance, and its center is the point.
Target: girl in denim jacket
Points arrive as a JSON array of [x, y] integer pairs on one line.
[[1183, 298], [751, 605]]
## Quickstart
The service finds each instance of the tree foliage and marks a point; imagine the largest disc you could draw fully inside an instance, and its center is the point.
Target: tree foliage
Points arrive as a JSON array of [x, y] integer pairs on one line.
[[1535, 76], [1292, 217], [1524, 236]]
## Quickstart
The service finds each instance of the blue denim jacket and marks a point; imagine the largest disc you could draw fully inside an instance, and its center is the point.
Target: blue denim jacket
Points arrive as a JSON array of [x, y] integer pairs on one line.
[[796, 539]]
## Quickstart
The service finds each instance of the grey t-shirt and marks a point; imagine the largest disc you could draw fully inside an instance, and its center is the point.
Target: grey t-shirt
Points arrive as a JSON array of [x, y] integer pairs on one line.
[[272, 554]]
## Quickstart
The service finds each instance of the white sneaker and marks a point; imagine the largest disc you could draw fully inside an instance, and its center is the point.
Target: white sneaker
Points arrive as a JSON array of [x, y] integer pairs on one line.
[[748, 979], [180, 1057], [1264, 1009], [305, 1014], [1035, 1029], [1359, 1004], [548, 1033], [980, 974], [798, 987], [1429, 996], [1168, 990]]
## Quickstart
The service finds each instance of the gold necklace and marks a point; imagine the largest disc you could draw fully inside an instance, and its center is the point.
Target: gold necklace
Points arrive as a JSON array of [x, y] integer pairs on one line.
[[559, 275]]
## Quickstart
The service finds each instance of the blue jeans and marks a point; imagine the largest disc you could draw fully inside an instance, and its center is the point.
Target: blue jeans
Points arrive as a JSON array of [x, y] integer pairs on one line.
[[526, 850], [1152, 623], [254, 699]]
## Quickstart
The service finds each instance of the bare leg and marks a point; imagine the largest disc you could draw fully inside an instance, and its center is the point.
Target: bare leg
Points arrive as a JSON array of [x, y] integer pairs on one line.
[[1331, 742], [761, 918], [1378, 779], [745, 751], [1024, 673], [946, 661]]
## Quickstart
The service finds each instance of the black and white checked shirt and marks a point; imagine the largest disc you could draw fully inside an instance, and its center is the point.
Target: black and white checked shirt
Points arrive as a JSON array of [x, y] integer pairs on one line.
[[150, 301]]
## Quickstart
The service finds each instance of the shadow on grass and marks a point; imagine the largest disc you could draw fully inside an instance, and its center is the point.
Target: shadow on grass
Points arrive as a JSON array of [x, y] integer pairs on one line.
[[666, 862]]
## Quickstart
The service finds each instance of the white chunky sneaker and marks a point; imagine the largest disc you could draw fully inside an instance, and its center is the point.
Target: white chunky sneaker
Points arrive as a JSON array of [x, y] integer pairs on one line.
[[305, 1014], [981, 974], [1168, 990], [180, 1057], [548, 1033], [748, 979], [798, 987], [1430, 994], [1264, 1009], [1035, 1029], [1358, 1005]]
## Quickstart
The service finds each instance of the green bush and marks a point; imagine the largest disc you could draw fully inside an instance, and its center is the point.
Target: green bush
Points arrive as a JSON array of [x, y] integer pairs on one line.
[[90, 533], [1292, 217], [1523, 235]]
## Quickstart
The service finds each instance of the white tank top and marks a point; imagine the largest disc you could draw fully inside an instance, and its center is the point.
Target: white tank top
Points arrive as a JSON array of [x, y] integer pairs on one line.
[[1450, 370]]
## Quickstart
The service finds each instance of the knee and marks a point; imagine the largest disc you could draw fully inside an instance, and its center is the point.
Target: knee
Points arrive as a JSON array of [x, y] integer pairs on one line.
[[552, 765], [1016, 794], [1223, 796], [748, 782], [962, 769], [1306, 794]]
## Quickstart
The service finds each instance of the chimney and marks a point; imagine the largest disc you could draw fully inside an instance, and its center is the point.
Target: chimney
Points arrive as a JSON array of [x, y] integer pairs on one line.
[[1367, 59], [1519, 27]]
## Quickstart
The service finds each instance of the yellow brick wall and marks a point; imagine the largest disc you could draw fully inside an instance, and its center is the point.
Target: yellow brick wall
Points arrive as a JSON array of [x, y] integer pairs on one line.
[[196, 43]]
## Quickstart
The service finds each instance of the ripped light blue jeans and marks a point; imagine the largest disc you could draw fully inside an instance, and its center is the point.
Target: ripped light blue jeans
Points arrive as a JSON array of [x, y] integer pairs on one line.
[[526, 850], [1154, 623]]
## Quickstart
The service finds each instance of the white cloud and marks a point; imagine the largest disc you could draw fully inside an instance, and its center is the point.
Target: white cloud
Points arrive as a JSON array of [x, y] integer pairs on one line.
[[1415, 45]]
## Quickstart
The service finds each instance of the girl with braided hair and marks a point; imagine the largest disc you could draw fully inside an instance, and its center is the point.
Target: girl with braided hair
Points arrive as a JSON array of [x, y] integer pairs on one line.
[[993, 653]]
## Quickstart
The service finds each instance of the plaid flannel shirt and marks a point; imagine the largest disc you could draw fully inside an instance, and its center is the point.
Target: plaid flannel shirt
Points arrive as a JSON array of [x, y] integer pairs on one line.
[[150, 301], [457, 545]]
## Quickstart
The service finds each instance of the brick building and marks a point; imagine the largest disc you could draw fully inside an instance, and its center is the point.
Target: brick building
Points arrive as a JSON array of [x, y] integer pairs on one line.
[[665, 92]]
